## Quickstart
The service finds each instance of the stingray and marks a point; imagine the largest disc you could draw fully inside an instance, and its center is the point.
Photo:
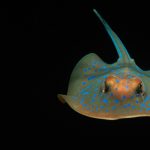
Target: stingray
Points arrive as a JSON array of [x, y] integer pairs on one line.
[[109, 91]]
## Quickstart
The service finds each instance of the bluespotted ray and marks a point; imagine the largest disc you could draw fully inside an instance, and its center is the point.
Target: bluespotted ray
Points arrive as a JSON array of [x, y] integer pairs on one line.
[[109, 91]]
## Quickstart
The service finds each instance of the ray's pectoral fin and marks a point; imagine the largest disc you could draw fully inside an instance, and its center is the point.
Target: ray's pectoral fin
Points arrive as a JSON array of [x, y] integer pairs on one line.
[[88, 62], [72, 101], [87, 69], [87, 66], [85, 76]]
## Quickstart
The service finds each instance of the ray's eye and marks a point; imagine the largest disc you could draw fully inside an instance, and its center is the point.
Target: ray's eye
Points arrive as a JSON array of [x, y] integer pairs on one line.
[[106, 88], [139, 90]]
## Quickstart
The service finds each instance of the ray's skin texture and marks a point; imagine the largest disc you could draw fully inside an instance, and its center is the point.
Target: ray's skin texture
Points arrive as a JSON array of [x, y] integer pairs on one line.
[[109, 91]]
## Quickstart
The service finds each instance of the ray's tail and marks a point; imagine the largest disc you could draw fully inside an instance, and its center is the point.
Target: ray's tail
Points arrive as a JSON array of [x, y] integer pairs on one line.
[[124, 57]]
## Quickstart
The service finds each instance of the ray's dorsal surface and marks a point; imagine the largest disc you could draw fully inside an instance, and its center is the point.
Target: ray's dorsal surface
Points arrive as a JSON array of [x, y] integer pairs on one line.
[[109, 91]]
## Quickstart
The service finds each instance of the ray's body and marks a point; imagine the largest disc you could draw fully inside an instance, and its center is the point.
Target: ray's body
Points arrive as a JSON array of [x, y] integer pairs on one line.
[[109, 91]]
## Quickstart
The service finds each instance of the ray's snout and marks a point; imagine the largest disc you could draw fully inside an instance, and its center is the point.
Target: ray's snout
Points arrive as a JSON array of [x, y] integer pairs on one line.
[[125, 87]]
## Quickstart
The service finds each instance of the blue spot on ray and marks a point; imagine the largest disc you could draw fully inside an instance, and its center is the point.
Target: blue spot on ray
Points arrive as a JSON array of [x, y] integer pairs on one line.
[[117, 80], [91, 77], [123, 97], [94, 95], [116, 101], [93, 100], [99, 81], [84, 105], [96, 108], [92, 108], [147, 98], [127, 87], [96, 89], [137, 101], [85, 93], [111, 94], [105, 100], [100, 69], [106, 110], [107, 69], [85, 69], [126, 105], [86, 88], [83, 83], [130, 76], [82, 101], [147, 109], [143, 105], [101, 106], [133, 107], [113, 107], [105, 76]]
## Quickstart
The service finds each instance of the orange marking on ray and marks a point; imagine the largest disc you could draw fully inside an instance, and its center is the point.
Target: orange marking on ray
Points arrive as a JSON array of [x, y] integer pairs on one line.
[[122, 86]]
